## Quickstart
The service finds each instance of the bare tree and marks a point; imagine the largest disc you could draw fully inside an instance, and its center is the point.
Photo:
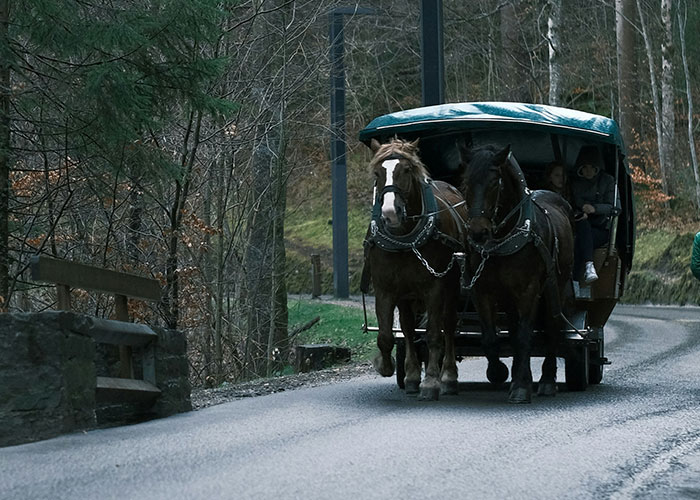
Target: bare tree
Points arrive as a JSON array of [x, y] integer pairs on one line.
[[627, 80], [658, 120], [682, 21], [516, 58], [554, 38], [667, 114], [4, 159]]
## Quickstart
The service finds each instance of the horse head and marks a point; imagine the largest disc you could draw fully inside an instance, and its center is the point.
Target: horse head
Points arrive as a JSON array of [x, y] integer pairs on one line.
[[485, 184], [399, 176]]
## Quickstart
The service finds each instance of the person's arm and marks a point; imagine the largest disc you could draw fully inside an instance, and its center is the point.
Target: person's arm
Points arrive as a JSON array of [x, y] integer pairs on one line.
[[605, 207], [695, 257]]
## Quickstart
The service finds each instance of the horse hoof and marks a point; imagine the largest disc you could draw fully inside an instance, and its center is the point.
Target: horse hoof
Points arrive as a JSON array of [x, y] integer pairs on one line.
[[450, 388], [429, 394], [412, 386], [383, 369], [519, 396], [497, 373], [547, 389]]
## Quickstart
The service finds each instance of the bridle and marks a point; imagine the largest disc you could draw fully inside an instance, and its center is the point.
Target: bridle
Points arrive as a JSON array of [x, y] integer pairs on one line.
[[425, 230], [520, 233]]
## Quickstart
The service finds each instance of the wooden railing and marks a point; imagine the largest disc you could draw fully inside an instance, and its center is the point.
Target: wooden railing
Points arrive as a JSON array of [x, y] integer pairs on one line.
[[66, 275]]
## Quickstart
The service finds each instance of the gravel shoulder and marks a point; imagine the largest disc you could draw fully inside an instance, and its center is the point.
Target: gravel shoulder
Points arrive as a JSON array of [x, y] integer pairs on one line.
[[202, 398]]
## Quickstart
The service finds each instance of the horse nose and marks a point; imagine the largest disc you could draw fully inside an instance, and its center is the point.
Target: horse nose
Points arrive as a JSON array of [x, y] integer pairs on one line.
[[390, 220]]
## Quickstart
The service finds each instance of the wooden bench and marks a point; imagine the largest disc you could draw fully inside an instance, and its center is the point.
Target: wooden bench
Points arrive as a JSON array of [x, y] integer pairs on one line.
[[66, 275]]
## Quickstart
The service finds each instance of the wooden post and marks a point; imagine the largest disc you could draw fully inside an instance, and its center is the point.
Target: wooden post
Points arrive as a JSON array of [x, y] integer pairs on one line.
[[315, 275], [121, 313], [63, 297]]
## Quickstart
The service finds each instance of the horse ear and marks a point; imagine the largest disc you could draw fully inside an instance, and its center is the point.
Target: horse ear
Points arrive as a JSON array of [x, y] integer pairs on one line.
[[374, 145], [414, 144], [501, 157], [465, 153]]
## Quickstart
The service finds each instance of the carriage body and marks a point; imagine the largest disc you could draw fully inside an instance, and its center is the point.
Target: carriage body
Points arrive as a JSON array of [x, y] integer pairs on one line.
[[537, 135]]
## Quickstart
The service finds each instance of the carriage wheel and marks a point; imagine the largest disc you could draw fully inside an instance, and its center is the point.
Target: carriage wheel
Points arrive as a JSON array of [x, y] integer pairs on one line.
[[401, 362], [576, 366], [595, 373], [497, 373]]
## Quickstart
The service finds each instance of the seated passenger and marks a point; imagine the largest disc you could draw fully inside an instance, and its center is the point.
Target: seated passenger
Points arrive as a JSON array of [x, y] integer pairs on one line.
[[594, 203], [555, 179]]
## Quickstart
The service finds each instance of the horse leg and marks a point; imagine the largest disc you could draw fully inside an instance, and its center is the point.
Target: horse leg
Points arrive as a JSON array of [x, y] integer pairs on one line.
[[497, 371], [430, 387], [448, 377], [384, 308], [513, 324], [547, 385], [521, 388], [412, 365]]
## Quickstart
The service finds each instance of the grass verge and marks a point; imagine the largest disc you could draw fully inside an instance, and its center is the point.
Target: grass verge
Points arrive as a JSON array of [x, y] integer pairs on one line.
[[338, 325]]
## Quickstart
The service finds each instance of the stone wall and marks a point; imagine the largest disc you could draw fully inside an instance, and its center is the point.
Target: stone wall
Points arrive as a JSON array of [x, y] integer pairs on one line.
[[48, 374], [47, 378]]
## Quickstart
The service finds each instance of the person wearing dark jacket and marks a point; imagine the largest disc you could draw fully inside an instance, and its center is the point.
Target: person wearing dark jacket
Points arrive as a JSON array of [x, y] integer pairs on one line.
[[595, 201]]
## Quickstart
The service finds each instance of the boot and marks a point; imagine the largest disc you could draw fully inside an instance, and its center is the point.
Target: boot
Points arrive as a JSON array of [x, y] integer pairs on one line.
[[590, 275]]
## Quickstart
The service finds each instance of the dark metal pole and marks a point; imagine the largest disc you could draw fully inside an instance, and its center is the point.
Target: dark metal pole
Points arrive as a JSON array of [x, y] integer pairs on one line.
[[341, 285], [432, 63]]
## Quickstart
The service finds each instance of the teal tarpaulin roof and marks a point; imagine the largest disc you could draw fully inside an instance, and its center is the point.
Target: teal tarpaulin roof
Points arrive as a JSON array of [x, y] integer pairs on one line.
[[494, 115]]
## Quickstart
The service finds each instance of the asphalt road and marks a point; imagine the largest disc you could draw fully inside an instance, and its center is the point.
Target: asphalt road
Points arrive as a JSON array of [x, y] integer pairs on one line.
[[637, 435]]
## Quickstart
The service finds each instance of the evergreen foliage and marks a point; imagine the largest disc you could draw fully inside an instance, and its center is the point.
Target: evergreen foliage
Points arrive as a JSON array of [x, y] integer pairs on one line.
[[103, 80]]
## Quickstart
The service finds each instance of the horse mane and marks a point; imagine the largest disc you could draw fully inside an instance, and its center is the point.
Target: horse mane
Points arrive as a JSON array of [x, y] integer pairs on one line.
[[406, 149]]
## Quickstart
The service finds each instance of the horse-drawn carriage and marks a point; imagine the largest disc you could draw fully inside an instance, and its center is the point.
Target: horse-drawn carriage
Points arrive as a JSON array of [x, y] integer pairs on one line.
[[530, 137]]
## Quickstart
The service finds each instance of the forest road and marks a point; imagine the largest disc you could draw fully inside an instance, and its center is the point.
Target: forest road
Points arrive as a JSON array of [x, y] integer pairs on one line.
[[636, 435]]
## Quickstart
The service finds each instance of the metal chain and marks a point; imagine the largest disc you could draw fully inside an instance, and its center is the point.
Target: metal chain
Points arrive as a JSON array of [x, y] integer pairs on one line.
[[429, 268], [484, 257]]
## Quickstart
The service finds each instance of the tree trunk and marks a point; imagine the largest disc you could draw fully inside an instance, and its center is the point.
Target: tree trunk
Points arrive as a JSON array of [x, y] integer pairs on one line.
[[220, 265], [4, 160], [667, 114], [682, 20], [627, 79], [171, 294], [516, 59], [264, 257], [555, 67], [654, 96]]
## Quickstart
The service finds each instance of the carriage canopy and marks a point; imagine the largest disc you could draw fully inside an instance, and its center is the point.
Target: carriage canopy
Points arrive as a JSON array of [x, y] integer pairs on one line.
[[538, 134]]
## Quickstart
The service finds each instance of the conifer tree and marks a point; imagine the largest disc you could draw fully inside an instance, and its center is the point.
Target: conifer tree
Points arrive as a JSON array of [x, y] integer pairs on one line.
[[97, 87]]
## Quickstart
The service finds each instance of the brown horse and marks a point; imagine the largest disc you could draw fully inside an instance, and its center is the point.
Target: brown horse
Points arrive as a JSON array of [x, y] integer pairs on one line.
[[417, 225], [521, 249]]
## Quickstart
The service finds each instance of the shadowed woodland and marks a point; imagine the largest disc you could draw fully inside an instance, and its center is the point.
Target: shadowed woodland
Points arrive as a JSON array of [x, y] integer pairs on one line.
[[175, 139]]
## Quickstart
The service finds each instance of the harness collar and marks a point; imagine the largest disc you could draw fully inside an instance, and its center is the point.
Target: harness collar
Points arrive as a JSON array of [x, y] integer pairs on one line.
[[418, 236]]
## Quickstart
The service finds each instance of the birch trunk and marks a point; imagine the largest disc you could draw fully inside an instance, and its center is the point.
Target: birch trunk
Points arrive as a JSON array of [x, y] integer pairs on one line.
[[667, 114], [654, 94], [553, 36]]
